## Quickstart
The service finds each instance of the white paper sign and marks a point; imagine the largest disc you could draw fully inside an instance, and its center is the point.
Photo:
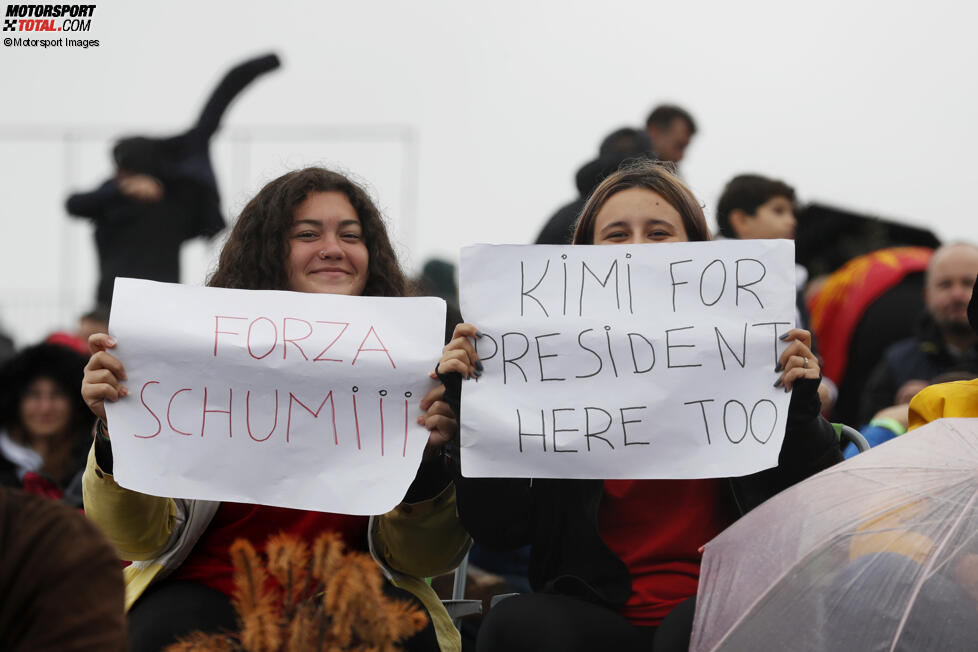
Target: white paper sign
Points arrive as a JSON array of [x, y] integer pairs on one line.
[[626, 361], [278, 398]]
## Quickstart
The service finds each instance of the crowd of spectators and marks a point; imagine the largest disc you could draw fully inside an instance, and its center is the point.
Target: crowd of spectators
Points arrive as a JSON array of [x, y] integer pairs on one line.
[[562, 545]]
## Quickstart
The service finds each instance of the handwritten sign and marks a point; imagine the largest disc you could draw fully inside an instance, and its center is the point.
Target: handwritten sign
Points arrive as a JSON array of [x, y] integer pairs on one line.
[[626, 361], [278, 398]]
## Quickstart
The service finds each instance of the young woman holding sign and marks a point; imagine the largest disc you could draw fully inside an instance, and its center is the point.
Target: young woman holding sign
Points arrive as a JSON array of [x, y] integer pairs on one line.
[[310, 230], [615, 563]]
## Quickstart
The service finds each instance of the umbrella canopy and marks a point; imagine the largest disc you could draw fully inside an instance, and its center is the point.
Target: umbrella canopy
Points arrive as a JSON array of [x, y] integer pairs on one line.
[[877, 553]]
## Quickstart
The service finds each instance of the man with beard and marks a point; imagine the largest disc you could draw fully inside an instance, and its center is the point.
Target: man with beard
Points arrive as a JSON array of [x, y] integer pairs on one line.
[[945, 341], [957, 399]]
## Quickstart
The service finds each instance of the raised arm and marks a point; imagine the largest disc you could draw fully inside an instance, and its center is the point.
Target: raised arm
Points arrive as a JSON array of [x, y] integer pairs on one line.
[[497, 512], [235, 81], [810, 444], [93, 204], [138, 525]]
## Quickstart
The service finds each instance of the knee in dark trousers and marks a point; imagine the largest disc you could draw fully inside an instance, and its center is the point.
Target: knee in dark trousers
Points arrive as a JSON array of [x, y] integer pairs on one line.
[[676, 628], [171, 610]]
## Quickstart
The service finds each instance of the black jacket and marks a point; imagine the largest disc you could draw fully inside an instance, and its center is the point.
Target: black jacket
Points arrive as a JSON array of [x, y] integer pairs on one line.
[[922, 357], [618, 147], [559, 518], [142, 239]]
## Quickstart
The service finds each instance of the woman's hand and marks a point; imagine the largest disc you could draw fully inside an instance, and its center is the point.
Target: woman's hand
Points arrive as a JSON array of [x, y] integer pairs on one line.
[[103, 375], [797, 361], [141, 187], [459, 355], [440, 421]]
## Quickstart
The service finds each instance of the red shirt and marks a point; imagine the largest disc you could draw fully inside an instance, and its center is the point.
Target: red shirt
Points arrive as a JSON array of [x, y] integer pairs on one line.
[[657, 527], [209, 562]]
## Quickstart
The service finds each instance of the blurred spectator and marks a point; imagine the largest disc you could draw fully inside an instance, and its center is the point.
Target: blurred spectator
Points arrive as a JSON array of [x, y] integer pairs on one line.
[[95, 321], [69, 340], [438, 280], [45, 426], [754, 207], [895, 420], [945, 341], [954, 399], [619, 146], [60, 580], [163, 193], [861, 309], [6, 347], [670, 129]]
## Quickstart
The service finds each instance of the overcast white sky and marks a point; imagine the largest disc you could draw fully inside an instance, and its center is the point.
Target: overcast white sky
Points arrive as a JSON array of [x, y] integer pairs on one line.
[[869, 106]]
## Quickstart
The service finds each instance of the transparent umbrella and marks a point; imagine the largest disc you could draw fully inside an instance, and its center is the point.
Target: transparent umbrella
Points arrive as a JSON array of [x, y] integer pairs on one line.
[[877, 553]]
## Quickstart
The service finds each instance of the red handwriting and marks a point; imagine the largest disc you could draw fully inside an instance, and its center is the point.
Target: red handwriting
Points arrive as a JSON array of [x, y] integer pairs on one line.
[[287, 340], [263, 332], [142, 399], [356, 418], [315, 415], [320, 358], [404, 450], [381, 426], [169, 407], [367, 425], [382, 347], [274, 338], [217, 328], [203, 421], [248, 417]]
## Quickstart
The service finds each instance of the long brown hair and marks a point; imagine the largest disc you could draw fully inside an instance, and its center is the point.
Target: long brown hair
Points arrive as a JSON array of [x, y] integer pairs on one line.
[[253, 258], [655, 177]]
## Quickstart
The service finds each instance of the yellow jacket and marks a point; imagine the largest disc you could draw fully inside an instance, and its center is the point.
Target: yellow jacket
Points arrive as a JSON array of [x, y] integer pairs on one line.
[[957, 399], [409, 543]]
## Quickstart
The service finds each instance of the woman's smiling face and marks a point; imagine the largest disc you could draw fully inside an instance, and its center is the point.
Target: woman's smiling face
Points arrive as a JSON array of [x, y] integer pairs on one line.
[[638, 216], [45, 409], [327, 252]]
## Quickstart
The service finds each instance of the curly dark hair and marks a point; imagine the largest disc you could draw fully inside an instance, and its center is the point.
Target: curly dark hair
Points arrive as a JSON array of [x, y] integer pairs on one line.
[[253, 258], [651, 175], [62, 365]]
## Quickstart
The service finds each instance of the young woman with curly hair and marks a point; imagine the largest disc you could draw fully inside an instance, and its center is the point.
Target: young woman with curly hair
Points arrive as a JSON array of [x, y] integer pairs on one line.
[[311, 230]]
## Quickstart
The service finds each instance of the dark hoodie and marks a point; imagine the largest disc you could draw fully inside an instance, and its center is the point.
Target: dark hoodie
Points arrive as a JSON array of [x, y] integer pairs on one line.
[[619, 146], [142, 239], [923, 357]]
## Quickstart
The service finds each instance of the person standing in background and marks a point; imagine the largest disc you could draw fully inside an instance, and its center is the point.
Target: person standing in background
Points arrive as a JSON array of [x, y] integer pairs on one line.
[[670, 128], [621, 145], [163, 192]]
